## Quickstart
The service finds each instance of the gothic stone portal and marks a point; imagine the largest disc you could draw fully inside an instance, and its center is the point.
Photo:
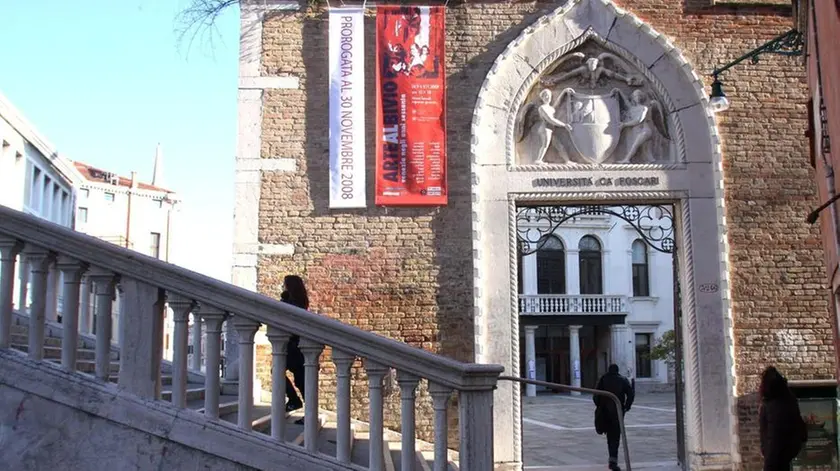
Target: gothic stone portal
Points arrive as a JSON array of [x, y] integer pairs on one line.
[[568, 115]]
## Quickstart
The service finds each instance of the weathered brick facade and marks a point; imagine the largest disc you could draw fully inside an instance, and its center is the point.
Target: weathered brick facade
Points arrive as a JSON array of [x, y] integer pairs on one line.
[[408, 274]]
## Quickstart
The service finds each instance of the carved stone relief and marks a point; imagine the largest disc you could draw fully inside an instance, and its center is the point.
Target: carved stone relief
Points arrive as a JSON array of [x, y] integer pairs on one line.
[[592, 108]]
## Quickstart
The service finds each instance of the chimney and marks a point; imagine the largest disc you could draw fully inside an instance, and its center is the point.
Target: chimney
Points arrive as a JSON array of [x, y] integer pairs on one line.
[[133, 179]]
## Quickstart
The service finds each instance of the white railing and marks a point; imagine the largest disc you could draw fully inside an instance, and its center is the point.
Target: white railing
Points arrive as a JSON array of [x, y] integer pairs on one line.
[[559, 304], [147, 284]]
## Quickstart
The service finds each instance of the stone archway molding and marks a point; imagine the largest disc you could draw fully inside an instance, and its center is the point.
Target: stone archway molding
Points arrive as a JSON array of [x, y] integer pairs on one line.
[[693, 182]]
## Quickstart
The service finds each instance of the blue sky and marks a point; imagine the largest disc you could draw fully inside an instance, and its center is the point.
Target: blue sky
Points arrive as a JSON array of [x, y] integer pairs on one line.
[[106, 80]]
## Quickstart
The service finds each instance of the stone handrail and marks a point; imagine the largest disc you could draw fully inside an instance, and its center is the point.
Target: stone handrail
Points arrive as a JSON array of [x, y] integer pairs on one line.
[[146, 282]]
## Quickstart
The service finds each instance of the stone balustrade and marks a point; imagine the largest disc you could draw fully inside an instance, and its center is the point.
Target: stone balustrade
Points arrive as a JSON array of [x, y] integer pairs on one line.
[[147, 285], [559, 304]]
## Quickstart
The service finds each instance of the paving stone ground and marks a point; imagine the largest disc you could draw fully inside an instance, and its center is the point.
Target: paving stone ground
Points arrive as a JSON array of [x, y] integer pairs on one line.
[[559, 433]]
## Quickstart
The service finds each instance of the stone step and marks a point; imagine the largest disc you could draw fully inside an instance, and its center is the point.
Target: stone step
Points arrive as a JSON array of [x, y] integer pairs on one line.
[[194, 393], [227, 405], [165, 380], [23, 339], [54, 352], [89, 366]]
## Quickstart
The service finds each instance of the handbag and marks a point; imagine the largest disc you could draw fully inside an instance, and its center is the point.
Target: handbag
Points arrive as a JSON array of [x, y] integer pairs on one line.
[[600, 421]]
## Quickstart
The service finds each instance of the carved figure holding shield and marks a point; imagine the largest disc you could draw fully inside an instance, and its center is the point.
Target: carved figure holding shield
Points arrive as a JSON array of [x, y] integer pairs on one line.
[[642, 116], [539, 118]]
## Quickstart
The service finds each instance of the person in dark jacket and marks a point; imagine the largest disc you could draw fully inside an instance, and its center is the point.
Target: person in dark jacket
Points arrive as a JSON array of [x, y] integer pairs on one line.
[[606, 415], [782, 430], [294, 292]]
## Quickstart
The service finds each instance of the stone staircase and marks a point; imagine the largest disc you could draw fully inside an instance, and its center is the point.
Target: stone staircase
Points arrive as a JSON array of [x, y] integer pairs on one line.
[[136, 368], [229, 406]]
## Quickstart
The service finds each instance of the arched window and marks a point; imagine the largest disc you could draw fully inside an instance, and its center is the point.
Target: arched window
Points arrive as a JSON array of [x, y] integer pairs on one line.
[[641, 287], [551, 267], [589, 252]]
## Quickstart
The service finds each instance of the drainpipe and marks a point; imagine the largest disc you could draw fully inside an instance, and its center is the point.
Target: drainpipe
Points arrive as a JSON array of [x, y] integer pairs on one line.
[[168, 224], [128, 210]]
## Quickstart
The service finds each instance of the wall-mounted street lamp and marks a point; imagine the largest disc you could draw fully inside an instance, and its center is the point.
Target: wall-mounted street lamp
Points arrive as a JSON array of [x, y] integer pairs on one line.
[[788, 44]]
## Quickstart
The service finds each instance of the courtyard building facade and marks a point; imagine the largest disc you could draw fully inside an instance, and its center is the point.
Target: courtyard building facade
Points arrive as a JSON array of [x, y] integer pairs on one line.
[[593, 294], [738, 274]]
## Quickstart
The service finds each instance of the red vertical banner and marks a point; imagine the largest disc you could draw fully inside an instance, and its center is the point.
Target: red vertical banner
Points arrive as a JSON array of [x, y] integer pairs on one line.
[[410, 106]]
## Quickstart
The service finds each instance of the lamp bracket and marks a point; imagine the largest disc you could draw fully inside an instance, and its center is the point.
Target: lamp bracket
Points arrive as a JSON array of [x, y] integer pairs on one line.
[[791, 43]]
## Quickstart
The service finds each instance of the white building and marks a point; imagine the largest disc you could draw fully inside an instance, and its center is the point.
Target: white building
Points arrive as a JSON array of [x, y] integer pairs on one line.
[[130, 213], [125, 211], [593, 292], [36, 180], [33, 177]]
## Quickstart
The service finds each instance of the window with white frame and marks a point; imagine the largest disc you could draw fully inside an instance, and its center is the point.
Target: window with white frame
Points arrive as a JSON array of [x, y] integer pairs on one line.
[[641, 276], [644, 364], [109, 197], [65, 205], [551, 267], [36, 189], [83, 215], [154, 246], [591, 275]]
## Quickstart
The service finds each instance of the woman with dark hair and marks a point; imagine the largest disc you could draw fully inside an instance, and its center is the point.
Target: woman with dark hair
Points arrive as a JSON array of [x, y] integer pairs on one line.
[[782, 430], [294, 293]]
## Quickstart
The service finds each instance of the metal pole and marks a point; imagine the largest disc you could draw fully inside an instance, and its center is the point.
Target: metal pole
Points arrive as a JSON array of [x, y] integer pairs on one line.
[[564, 387]]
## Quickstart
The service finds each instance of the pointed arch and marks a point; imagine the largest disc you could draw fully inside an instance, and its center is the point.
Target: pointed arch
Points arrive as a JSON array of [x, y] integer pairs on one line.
[[693, 182]]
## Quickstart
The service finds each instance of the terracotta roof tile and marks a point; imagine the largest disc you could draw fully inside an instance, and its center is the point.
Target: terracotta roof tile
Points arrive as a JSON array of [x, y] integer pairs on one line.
[[101, 176]]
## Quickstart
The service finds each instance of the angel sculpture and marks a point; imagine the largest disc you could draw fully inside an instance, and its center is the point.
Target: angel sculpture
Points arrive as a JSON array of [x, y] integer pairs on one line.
[[539, 117], [593, 70], [643, 114]]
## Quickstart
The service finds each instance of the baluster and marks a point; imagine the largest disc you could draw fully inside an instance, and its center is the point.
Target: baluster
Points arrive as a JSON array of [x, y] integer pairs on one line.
[[51, 309], [25, 278], [408, 385], [440, 401], [279, 343], [195, 364], [104, 283], [9, 250], [343, 362], [84, 305], [231, 349], [213, 319], [181, 308], [116, 316], [40, 261], [311, 362], [72, 271], [246, 329], [376, 373]]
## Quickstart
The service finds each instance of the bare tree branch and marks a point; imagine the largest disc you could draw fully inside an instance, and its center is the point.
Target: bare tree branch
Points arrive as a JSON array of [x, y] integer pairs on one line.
[[199, 19]]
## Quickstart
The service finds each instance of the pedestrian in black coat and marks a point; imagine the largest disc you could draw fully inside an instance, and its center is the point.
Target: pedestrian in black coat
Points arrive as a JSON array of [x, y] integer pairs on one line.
[[294, 292], [606, 413], [782, 430]]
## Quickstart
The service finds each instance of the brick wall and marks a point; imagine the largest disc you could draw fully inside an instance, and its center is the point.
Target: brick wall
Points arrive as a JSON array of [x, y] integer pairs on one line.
[[407, 273]]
